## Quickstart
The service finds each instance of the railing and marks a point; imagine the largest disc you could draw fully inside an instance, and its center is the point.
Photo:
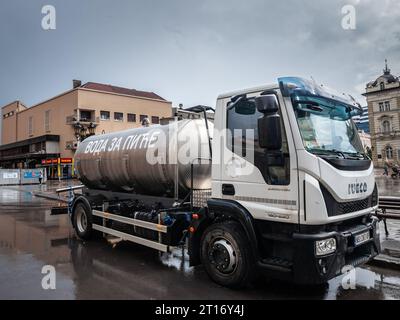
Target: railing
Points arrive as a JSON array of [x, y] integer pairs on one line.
[[387, 133], [389, 208], [73, 120]]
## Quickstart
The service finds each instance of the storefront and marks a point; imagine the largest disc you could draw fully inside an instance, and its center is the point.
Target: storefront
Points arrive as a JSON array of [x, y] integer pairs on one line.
[[59, 168]]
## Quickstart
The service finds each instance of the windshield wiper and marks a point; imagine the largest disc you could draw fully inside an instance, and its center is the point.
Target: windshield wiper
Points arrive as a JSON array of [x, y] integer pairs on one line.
[[355, 155], [327, 152], [343, 155]]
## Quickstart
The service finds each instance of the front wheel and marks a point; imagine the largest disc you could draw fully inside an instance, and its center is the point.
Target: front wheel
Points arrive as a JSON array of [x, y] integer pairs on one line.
[[226, 255], [82, 221]]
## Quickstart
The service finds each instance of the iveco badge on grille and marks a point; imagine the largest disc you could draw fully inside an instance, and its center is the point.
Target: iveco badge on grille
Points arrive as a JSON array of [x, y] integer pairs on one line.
[[360, 187]]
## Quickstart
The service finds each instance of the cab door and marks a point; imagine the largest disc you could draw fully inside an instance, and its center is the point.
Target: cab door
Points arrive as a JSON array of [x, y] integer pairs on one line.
[[264, 182]]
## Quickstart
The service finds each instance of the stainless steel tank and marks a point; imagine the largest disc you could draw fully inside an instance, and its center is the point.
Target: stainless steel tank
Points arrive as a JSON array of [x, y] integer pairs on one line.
[[143, 160]]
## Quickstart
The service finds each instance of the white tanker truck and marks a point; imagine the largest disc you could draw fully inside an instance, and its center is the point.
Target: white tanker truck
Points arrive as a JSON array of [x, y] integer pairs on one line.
[[276, 181]]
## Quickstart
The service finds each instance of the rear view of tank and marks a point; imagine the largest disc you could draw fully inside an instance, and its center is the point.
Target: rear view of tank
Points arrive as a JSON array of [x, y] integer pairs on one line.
[[143, 160]]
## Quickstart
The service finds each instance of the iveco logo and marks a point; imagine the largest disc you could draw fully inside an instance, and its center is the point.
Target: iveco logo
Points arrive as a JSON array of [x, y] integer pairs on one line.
[[358, 187]]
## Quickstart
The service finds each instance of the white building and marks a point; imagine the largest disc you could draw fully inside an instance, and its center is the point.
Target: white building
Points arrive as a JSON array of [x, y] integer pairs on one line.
[[383, 97]]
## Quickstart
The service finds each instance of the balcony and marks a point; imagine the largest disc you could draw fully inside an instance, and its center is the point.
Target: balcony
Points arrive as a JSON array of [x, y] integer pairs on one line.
[[71, 120], [387, 134]]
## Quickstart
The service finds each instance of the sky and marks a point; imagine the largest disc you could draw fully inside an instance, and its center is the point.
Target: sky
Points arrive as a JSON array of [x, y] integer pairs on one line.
[[190, 51]]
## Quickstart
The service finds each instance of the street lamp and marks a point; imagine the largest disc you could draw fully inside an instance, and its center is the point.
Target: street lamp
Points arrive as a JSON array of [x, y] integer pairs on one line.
[[92, 129], [77, 130]]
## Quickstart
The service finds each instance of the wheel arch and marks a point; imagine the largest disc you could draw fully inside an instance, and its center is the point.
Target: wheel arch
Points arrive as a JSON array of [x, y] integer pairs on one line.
[[220, 210], [77, 200]]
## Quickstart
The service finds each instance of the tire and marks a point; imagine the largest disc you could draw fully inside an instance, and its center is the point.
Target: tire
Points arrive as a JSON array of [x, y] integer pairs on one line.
[[83, 221], [226, 255]]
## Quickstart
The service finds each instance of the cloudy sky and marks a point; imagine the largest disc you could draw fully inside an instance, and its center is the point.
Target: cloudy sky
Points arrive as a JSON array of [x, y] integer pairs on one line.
[[189, 51]]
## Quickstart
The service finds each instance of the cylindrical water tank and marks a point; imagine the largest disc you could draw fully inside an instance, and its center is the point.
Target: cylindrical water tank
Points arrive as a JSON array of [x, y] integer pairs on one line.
[[143, 160]]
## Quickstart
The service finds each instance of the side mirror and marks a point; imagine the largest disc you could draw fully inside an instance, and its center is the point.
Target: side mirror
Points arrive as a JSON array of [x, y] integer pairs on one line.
[[269, 132], [267, 103]]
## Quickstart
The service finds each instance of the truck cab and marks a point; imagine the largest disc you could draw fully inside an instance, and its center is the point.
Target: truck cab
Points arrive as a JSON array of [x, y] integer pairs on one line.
[[289, 166]]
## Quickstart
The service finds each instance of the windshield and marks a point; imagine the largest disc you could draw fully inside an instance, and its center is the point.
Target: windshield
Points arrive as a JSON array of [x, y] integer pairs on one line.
[[324, 118], [327, 129]]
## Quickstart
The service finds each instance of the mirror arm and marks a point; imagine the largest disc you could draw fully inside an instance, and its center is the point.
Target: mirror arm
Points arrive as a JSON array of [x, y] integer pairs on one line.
[[236, 100]]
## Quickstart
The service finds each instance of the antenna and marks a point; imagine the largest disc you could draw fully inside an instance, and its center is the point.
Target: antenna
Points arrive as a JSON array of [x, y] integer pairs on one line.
[[386, 70]]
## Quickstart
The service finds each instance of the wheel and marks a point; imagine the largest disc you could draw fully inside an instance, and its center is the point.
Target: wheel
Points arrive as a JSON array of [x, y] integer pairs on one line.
[[82, 221], [226, 255]]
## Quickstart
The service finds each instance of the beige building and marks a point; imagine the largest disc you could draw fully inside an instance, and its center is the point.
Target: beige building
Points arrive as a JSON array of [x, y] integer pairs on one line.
[[383, 97], [49, 132]]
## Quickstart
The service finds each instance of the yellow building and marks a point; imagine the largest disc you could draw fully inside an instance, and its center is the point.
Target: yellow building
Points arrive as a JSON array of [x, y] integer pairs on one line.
[[48, 133]]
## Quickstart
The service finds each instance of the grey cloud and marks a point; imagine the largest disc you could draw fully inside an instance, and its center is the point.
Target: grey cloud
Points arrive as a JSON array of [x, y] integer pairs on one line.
[[190, 51]]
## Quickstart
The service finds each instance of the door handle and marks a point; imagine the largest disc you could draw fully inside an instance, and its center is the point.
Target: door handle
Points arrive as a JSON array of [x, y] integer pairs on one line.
[[228, 189]]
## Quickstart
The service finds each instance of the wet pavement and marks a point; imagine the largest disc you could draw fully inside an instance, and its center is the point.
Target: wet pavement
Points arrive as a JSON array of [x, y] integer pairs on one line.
[[31, 238], [388, 186]]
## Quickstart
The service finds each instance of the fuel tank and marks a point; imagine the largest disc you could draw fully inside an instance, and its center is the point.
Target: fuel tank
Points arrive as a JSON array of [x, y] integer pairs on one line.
[[143, 160]]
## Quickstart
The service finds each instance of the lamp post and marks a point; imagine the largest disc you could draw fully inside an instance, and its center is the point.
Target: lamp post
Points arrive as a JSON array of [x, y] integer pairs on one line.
[[77, 130], [81, 132], [92, 129]]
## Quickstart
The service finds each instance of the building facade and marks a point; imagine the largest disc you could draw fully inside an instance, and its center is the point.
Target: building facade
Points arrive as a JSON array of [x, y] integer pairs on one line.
[[48, 133], [383, 97], [362, 121]]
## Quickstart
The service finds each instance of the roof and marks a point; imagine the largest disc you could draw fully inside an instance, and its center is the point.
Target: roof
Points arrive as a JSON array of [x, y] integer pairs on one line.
[[248, 91], [121, 90], [14, 102], [386, 76]]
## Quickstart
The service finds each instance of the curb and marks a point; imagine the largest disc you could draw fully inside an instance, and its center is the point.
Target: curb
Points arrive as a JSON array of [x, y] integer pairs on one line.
[[48, 196], [385, 261]]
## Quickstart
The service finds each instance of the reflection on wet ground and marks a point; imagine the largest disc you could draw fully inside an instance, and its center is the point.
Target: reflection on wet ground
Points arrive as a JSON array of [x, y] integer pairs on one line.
[[30, 238], [389, 187]]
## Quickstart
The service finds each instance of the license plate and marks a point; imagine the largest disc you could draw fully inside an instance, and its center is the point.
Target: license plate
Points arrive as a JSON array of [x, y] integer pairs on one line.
[[361, 238]]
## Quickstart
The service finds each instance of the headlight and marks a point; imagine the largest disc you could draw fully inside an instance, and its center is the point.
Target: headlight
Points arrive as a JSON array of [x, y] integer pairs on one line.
[[326, 246]]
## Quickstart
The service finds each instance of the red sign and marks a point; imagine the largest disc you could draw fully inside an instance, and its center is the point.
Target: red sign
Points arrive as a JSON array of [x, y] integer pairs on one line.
[[55, 161], [65, 160]]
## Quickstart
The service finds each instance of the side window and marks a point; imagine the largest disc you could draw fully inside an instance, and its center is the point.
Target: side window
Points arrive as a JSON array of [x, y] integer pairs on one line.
[[274, 165]]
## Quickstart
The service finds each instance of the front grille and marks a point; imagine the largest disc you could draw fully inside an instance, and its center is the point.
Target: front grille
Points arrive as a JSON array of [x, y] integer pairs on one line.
[[335, 208], [348, 207]]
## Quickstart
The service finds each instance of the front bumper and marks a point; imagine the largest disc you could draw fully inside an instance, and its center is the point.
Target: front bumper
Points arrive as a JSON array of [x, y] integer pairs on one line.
[[308, 268]]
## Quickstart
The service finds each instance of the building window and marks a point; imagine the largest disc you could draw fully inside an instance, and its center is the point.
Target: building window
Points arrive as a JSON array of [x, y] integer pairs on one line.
[[155, 120], [386, 126], [118, 116], [131, 117], [381, 107], [143, 116], [30, 126], [105, 115], [47, 121], [387, 105], [389, 152], [382, 86]]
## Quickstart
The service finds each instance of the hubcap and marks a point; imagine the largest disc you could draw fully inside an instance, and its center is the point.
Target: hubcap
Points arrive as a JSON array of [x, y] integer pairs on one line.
[[222, 256], [81, 220]]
